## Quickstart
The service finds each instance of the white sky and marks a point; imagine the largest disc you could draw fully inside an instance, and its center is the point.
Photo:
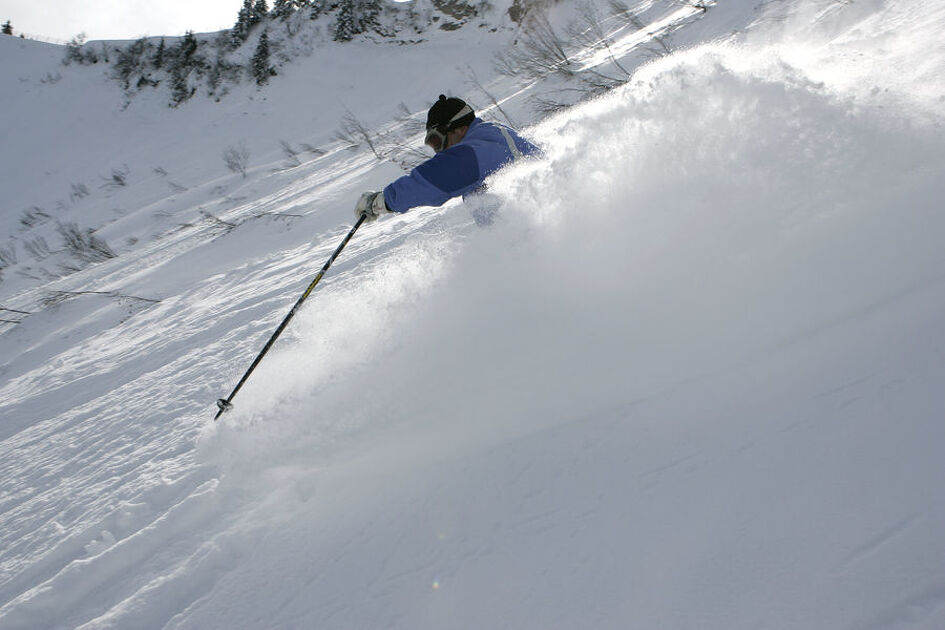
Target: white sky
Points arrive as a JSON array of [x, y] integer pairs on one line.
[[117, 19]]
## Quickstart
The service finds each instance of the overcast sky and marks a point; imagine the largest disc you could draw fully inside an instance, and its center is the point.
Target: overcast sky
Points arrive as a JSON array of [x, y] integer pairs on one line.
[[117, 19]]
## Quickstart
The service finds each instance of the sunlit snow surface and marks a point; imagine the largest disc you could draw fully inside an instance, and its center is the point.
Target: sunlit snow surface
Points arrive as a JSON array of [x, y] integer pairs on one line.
[[690, 377]]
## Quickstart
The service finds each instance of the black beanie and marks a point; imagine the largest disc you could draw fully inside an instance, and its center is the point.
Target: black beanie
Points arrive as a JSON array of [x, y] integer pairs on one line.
[[445, 109]]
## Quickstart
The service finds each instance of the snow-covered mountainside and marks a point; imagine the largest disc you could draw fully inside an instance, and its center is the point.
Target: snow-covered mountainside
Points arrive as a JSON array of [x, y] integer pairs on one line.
[[690, 377]]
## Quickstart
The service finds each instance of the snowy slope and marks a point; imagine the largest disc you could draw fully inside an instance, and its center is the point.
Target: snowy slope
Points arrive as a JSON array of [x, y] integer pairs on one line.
[[690, 378]]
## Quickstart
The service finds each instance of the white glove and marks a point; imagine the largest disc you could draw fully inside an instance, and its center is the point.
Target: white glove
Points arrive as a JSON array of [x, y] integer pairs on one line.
[[371, 205]]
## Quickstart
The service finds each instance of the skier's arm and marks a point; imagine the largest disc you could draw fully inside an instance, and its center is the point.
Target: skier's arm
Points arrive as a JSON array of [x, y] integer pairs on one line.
[[448, 174]]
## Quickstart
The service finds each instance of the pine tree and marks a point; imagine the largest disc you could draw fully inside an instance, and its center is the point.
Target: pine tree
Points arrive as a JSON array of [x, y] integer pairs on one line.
[[186, 50], [318, 7], [180, 88], [344, 24], [158, 59], [243, 23], [355, 17], [130, 62], [185, 60], [282, 9], [7, 28], [260, 65], [259, 12]]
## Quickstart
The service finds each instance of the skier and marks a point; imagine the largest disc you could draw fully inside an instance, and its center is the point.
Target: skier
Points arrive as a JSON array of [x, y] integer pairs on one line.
[[467, 150]]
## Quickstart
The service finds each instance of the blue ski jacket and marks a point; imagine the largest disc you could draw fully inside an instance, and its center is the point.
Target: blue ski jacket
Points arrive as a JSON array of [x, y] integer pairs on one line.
[[460, 169]]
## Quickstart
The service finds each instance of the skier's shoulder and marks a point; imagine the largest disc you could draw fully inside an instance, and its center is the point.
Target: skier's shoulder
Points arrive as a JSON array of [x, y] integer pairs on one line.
[[482, 130], [488, 134], [501, 142]]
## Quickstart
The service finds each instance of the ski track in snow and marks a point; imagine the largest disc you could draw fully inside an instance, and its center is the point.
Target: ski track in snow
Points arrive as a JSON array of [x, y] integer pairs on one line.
[[710, 398], [102, 456]]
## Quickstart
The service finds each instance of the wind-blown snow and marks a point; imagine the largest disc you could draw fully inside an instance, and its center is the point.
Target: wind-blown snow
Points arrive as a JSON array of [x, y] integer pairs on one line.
[[690, 377]]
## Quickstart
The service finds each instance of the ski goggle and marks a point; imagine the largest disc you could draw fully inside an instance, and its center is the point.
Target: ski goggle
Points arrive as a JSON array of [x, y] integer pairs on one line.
[[436, 136], [436, 139]]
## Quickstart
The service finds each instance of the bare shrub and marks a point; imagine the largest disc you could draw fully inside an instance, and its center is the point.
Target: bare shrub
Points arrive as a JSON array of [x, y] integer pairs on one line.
[[118, 178], [540, 52], [545, 105], [83, 245], [236, 158], [594, 83], [33, 216], [589, 30], [217, 223], [37, 247], [353, 133], [404, 154], [78, 52], [291, 155], [471, 77], [79, 191], [7, 256], [53, 297], [280, 217], [13, 310], [5, 319], [410, 123], [401, 145], [703, 5], [312, 149], [662, 45], [620, 8], [27, 272]]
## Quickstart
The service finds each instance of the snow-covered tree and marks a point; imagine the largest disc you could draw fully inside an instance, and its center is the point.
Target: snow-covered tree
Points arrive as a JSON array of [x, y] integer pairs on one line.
[[259, 12], [7, 28], [185, 55], [318, 7], [180, 86], [158, 59], [185, 61], [282, 9], [261, 68], [187, 50], [221, 71], [251, 14], [76, 51], [130, 62], [240, 30], [355, 17]]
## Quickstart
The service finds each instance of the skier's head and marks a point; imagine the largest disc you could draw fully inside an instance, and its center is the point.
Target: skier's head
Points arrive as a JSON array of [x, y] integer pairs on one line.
[[447, 121]]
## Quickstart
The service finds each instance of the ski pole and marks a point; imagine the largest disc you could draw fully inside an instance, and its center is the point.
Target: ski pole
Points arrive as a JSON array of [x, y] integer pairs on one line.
[[225, 404]]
